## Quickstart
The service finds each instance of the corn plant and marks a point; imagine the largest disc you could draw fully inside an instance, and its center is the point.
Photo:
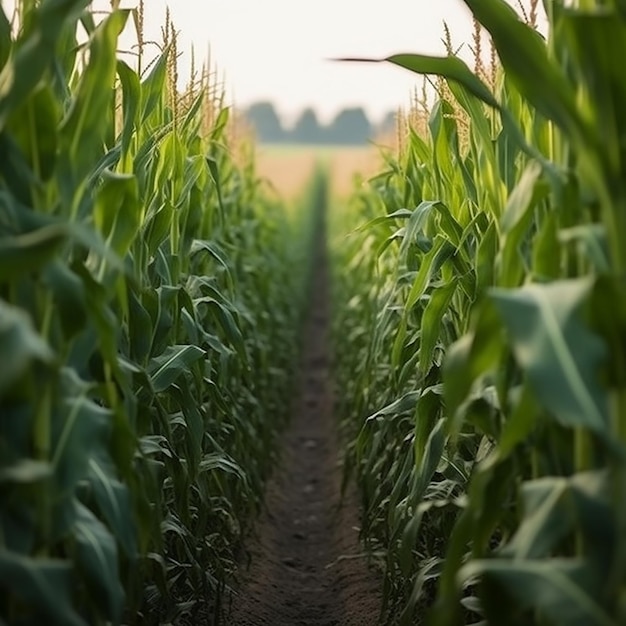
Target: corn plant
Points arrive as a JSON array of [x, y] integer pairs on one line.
[[149, 299], [485, 303]]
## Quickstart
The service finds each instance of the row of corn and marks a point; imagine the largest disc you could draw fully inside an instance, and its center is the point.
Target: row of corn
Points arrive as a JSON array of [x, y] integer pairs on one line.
[[149, 298], [480, 309]]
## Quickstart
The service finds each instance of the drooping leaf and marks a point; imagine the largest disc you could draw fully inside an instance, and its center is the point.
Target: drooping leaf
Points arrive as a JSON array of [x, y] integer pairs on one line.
[[174, 362], [534, 73]]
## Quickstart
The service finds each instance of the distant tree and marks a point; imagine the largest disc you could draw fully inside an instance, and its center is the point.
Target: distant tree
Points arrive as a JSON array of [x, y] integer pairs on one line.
[[388, 125], [350, 126], [266, 122], [307, 128]]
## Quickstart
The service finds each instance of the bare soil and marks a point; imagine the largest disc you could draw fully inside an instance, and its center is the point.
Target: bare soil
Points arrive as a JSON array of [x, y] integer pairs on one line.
[[307, 567]]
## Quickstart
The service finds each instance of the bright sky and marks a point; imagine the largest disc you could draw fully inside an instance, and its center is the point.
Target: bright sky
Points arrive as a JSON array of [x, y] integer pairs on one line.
[[278, 50]]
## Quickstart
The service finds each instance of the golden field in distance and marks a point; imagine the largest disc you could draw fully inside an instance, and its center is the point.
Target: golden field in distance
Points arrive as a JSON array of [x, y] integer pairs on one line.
[[288, 168]]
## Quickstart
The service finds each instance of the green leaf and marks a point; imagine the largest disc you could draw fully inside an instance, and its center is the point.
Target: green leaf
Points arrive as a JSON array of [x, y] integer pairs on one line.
[[34, 52], [471, 357], [220, 124], [113, 499], [34, 128], [524, 55], [427, 456], [218, 461], [517, 221], [553, 508], [215, 176], [27, 253], [195, 427], [402, 405], [432, 319], [153, 86], [139, 328], [19, 344], [84, 127], [520, 423], [45, 585], [399, 214], [430, 264], [97, 556], [559, 354], [214, 251], [463, 83], [591, 240], [485, 259], [546, 250], [80, 429], [174, 362], [228, 324], [547, 518], [564, 590], [451, 67], [69, 296], [117, 211], [595, 42], [522, 198], [131, 91]]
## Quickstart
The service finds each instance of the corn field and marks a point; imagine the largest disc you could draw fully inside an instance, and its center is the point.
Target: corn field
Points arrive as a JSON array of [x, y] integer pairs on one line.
[[480, 332], [150, 296]]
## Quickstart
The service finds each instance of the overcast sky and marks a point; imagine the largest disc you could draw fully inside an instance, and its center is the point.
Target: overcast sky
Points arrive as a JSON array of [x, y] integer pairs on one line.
[[278, 50]]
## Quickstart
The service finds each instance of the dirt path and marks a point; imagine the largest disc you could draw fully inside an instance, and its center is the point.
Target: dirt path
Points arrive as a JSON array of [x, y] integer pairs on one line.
[[307, 565]]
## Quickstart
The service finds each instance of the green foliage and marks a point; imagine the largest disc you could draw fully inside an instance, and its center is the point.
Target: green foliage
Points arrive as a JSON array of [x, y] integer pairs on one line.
[[149, 301], [480, 329]]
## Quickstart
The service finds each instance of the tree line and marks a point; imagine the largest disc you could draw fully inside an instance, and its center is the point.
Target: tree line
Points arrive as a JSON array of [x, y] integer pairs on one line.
[[351, 126]]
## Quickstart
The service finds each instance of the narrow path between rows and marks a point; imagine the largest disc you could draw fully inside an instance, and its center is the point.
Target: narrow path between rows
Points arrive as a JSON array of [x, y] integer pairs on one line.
[[307, 565]]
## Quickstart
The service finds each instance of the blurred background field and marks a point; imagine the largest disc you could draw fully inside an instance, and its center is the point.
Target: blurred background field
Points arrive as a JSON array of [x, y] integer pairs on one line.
[[288, 167]]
